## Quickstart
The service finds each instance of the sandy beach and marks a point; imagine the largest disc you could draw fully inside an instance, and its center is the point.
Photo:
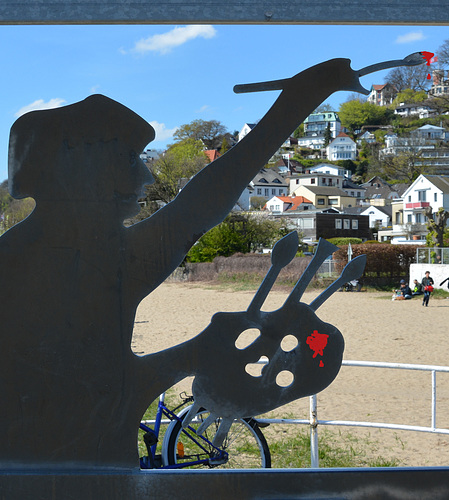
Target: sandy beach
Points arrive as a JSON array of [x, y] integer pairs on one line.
[[374, 328]]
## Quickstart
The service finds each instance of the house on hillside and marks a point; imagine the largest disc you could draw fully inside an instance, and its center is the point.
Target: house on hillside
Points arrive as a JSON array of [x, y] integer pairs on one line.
[[341, 148], [315, 124], [324, 197], [378, 192], [427, 191], [430, 133], [436, 158], [327, 168], [316, 179], [417, 109], [382, 95], [212, 154], [246, 129], [354, 190], [440, 83], [328, 224], [281, 204], [268, 183]]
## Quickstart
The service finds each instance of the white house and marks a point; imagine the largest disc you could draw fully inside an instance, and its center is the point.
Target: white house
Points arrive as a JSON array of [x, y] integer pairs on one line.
[[342, 148], [430, 133], [268, 183], [316, 124], [281, 204], [316, 179], [327, 168], [427, 191], [378, 216], [382, 95], [414, 109], [246, 129]]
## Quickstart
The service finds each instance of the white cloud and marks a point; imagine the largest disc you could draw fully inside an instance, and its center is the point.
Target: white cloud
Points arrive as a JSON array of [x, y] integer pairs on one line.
[[165, 42], [40, 104], [413, 36], [204, 108], [162, 133]]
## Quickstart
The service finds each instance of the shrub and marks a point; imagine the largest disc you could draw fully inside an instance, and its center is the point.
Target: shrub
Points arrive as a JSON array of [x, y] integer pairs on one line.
[[385, 263], [345, 241]]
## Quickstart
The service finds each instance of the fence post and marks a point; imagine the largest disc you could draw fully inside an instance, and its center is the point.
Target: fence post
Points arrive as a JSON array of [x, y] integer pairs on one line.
[[314, 461], [434, 399]]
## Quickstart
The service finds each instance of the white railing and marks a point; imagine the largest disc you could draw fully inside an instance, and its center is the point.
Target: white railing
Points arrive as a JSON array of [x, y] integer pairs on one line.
[[313, 420]]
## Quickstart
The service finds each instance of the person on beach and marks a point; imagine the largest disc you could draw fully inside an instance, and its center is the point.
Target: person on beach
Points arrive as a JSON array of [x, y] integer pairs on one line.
[[418, 289], [403, 293], [427, 282]]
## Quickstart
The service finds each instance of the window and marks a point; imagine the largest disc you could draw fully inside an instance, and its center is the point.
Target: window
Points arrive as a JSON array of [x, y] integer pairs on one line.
[[259, 190], [312, 181], [355, 224], [320, 201], [273, 191], [409, 217], [435, 196], [337, 223], [409, 199], [421, 196], [346, 224], [266, 192], [333, 201], [418, 218]]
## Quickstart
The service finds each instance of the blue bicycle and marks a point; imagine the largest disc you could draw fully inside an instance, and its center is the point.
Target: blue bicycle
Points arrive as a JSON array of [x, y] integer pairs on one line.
[[244, 447]]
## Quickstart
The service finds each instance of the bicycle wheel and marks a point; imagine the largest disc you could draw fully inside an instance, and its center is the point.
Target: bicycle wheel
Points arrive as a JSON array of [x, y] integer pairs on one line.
[[245, 444]]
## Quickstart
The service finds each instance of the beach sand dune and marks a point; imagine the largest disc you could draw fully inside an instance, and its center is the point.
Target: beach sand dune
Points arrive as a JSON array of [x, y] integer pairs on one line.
[[374, 328]]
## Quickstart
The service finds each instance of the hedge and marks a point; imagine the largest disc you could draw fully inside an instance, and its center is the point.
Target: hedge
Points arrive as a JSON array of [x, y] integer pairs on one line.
[[384, 264]]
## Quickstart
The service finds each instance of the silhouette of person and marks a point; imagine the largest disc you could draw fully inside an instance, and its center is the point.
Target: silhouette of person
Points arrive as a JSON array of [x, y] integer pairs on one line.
[[73, 392]]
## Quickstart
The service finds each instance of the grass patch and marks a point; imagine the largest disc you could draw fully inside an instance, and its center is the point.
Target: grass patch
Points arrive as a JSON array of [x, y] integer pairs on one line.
[[292, 450]]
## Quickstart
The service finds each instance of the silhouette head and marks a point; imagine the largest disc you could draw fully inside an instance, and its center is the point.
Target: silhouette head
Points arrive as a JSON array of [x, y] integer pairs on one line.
[[87, 151]]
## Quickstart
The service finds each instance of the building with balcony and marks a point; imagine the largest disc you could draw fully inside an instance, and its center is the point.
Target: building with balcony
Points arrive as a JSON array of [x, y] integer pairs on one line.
[[382, 95], [341, 148]]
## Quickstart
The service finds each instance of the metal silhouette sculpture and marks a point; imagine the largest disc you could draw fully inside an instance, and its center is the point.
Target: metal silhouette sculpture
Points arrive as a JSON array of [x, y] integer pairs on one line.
[[72, 390]]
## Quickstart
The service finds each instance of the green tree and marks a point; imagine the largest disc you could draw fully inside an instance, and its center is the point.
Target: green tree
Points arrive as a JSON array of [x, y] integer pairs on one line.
[[209, 132], [410, 96], [436, 224], [299, 132], [180, 162], [237, 234], [354, 114], [258, 202], [327, 135], [406, 165]]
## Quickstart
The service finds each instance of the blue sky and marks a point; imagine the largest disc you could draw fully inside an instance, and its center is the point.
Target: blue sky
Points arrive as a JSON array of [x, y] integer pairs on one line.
[[171, 75]]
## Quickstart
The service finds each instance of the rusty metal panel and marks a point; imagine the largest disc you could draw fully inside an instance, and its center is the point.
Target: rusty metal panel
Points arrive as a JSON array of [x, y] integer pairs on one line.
[[218, 11]]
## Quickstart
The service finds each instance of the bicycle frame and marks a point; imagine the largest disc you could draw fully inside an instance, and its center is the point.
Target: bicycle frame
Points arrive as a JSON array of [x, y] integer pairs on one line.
[[220, 457]]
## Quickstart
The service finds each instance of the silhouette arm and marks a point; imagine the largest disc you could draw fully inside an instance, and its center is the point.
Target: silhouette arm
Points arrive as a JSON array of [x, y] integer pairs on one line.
[[161, 241]]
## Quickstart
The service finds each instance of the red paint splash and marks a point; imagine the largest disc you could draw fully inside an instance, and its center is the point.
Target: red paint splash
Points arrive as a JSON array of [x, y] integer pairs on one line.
[[429, 58], [317, 342]]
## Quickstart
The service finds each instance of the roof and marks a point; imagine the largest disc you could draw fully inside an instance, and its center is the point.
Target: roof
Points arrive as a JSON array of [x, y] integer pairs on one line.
[[268, 176], [387, 210], [347, 184], [324, 190], [325, 116], [440, 181], [294, 201], [212, 154]]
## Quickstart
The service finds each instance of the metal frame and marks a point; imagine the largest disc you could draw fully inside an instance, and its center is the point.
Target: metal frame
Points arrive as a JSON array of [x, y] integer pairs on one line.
[[411, 12]]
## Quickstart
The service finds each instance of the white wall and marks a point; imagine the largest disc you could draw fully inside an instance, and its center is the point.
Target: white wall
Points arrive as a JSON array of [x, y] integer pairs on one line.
[[439, 272]]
